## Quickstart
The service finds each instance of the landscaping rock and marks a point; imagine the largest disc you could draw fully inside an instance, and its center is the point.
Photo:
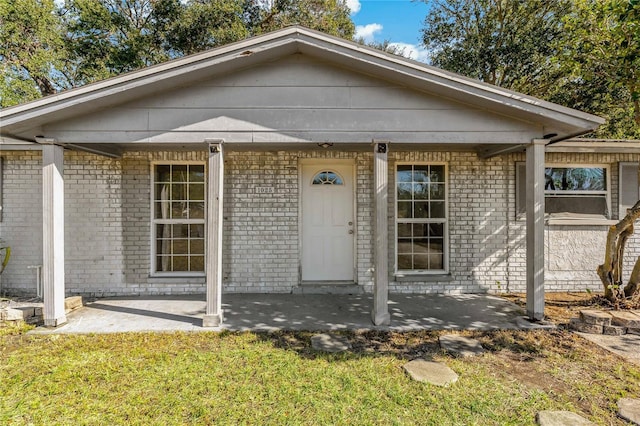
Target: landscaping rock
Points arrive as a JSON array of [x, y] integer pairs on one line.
[[632, 330], [330, 343], [625, 319], [613, 330], [11, 314], [561, 418], [434, 373], [595, 317], [460, 345], [72, 303], [578, 325], [629, 410]]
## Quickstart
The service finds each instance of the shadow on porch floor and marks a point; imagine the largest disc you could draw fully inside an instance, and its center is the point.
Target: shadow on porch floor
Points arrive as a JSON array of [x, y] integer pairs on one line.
[[269, 312]]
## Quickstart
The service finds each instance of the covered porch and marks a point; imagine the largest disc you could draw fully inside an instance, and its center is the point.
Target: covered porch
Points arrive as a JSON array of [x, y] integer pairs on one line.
[[274, 312]]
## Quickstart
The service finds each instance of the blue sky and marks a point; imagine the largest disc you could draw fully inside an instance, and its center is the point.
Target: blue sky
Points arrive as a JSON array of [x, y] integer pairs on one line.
[[398, 21]]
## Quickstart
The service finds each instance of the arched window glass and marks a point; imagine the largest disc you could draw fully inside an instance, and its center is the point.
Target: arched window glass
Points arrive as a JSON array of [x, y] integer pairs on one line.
[[327, 177]]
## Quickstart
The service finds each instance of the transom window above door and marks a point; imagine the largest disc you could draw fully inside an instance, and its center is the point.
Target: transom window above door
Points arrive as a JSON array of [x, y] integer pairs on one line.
[[421, 218], [178, 219], [327, 177]]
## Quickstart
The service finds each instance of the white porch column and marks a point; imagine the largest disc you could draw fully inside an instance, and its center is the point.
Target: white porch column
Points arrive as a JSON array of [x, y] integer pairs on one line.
[[213, 315], [380, 314], [53, 235], [535, 228]]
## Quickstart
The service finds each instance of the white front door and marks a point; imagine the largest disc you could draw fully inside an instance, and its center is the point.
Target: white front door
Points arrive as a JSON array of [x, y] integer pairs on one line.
[[327, 221]]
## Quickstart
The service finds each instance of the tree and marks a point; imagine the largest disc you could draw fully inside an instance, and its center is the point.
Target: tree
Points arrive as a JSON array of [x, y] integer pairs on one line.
[[603, 37], [31, 49], [44, 49], [584, 54], [506, 43], [610, 272]]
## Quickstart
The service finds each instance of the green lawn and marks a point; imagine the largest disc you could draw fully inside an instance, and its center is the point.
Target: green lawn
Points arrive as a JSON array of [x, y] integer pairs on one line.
[[246, 378]]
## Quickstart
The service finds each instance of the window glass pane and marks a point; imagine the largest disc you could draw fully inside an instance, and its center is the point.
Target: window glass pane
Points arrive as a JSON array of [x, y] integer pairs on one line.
[[421, 261], [421, 174], [197, 263], [575, 179], [437, 209], [437, 191], [196, 231], [421, 191], [577, 204], [327, 178], [404, 191], [420, 229], [436, 261], [196, 210], [421, 210], [404, 174], [196, 246], [179, 172], [163, 173], [178, 191], [179, 210], [404, 230], [436, 230], [404, 209], [420, 245], [405, 261], [180, 246], [180, 263], [196, 173], [163, 263], [437, 174], [196, 192]]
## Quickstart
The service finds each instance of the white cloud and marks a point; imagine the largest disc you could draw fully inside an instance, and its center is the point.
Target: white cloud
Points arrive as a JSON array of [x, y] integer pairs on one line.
[[367, 32], [354, 5], [412, 51]]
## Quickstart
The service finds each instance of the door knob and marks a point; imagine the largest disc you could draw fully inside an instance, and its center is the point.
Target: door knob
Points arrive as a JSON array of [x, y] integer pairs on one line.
[[350, 231], [350, 223]]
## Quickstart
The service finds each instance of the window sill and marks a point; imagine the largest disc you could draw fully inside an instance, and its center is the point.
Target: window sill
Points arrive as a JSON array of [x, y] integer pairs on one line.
[[570, 219], [444, 277], [176, 277]]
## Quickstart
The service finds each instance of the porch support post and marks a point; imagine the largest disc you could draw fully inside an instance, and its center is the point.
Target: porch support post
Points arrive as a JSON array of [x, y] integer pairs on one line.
[[380, 314], [535, 228], [213, 315], [53, 235]]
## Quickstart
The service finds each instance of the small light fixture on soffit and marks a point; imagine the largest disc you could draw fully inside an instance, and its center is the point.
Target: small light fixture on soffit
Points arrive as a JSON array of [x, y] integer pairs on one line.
[[325, 145]]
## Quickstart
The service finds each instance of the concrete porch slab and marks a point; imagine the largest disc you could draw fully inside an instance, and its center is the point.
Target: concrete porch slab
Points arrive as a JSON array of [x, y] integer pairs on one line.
[[272, 312]]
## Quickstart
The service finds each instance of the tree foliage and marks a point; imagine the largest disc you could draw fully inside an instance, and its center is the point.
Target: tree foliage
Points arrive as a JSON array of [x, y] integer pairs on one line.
[[31, 49], [44, 48], [583, 54]]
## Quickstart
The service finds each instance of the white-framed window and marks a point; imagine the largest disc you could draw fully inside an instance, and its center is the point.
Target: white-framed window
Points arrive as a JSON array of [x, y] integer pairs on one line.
[[421, 218], [579, 191], [178, 218]]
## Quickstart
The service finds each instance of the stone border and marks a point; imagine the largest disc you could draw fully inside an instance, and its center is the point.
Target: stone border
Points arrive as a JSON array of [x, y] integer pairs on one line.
[[612, 323]]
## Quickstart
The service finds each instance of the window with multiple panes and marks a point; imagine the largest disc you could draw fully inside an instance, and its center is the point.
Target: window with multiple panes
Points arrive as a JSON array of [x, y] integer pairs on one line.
[[178, 218], [576, 190], [421, 218]]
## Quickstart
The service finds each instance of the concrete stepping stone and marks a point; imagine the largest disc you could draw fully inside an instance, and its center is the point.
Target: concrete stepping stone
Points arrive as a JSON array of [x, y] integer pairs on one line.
[[561, 418], [330, 343], [629, 410], [434, 373], [460, 345]]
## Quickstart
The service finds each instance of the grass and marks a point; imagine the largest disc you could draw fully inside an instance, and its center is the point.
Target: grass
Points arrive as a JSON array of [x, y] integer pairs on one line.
[[276, 378]]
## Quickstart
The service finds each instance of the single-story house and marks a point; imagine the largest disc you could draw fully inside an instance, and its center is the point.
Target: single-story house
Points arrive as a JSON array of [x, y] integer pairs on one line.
[[298, 162]]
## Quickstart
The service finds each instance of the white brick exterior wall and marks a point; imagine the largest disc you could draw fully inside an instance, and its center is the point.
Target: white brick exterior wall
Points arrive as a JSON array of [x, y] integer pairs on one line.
[[107, 224]]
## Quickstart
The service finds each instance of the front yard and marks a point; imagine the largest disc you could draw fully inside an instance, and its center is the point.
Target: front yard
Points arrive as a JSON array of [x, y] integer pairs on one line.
[[276, 378]]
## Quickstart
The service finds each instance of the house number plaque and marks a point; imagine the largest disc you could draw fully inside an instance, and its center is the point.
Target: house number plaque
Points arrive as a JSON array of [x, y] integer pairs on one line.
[[265, 190]]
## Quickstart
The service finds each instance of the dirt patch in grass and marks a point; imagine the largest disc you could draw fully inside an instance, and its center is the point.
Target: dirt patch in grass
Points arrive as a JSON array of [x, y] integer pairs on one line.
[[560, 307]]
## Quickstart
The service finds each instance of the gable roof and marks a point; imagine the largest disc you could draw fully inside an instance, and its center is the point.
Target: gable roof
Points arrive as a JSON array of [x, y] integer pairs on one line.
[[558, 121]]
